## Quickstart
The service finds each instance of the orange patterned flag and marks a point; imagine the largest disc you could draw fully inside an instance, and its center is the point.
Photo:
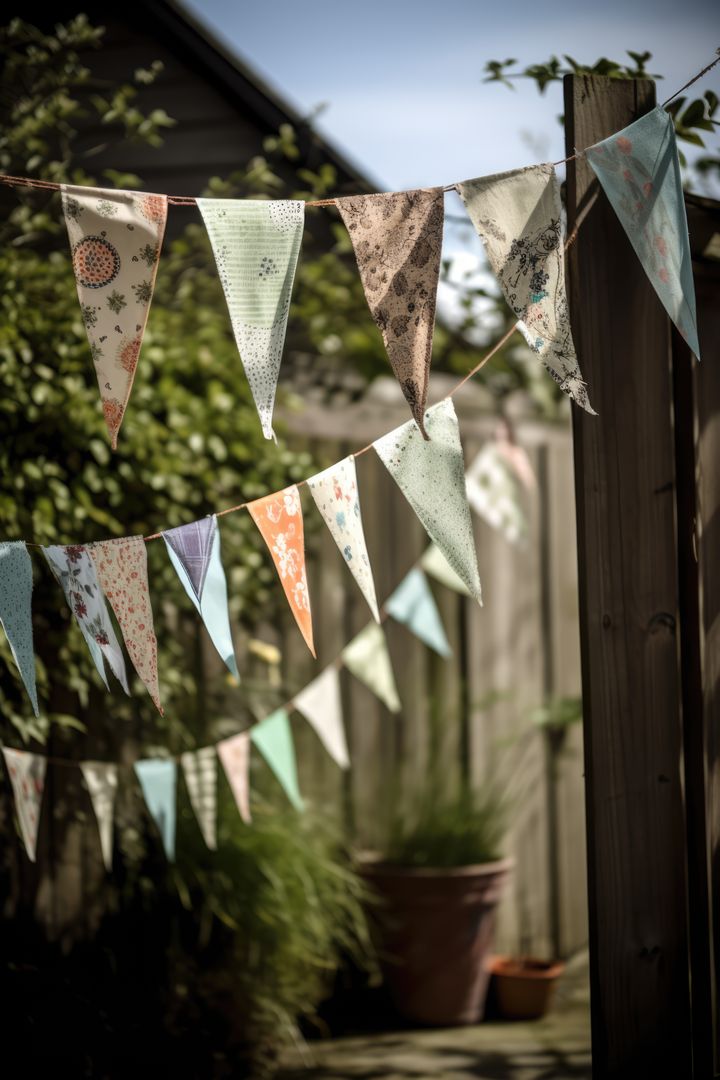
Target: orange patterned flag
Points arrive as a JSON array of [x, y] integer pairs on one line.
[[279, 518]]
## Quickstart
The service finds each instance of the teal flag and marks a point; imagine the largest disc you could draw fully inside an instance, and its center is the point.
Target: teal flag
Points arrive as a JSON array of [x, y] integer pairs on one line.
[[16, 610], [413, 604], [639, 170], [273, 738], [158, 780]]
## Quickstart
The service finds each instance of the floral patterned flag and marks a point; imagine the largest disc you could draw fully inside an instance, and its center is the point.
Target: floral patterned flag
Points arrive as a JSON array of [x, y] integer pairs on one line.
[[158, 780], [101, 778], [493, 491], [115, 239], [518, 217], [335, 492], [75, 572], [194, 551], [16, 610], [413, 604], [256, 246], [639, 170], [234, 753], [279, 518], [27, 776], [122, 571], [368, 659], [321, 705], [200, 769], [273, 738], [397, 238], [431, 476]]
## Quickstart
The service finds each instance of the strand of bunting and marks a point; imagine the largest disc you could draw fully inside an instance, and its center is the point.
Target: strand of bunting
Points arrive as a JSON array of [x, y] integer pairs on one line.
[[116, 237], [494, 484]]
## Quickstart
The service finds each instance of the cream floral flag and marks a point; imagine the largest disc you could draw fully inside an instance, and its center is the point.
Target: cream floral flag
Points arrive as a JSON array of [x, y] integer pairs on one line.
[[518, 217], [101, 778], [115, 239], [335, 492], [27, 776], [234, 753], [200, 771]]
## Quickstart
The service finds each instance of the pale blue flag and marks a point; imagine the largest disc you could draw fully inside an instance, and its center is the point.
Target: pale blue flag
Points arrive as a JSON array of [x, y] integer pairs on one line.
[[16, 610], [158, 780], [273, 738], [639, 170], [194, 551], [413, 604]]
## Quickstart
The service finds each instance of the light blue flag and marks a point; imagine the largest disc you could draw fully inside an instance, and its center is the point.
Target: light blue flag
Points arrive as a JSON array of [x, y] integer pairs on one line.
[[158, 780], [639, 170], [273, 738], [16, 610], [413, 604], [194, 551]]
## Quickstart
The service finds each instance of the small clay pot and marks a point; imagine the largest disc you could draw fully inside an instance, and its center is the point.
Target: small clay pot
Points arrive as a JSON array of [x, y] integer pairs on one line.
[[524, 986]]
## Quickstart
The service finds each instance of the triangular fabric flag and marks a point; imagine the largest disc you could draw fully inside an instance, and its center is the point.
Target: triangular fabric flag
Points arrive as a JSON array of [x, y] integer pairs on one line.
[[639, 170], [431, 476], [279, 518], [413, 604], [397, 239], [122, 571], [16, 610], [234, 753], [194, 551], [101, 778], [518, 216], [335, 492], [321, 705], [493, 492], [434, 563], [256, 245], [158, 780], [27, 776], [75, 572], [273, 738], [115, 239], [200, 770], [368, 659]]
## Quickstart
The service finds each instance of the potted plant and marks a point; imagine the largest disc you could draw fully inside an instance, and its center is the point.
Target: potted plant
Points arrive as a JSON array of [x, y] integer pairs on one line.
[[438, 885]]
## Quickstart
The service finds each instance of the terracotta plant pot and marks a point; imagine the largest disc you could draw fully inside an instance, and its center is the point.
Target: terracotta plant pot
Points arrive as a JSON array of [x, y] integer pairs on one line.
[[524, 985], [436, 930]]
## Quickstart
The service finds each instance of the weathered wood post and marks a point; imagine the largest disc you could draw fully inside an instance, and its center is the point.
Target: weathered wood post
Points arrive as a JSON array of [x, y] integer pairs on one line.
[[628, 577]]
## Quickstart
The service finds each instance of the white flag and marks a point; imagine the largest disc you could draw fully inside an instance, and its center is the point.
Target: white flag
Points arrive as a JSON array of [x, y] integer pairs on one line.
[[101, 778], [200, 769], [321, 706], [27, 776]]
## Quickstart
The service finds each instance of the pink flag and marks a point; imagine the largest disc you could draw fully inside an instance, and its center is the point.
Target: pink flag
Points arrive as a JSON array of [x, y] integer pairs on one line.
[[235, 756]]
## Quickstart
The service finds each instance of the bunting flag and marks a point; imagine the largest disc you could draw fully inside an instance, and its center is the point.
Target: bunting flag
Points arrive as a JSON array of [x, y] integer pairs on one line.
[[639, 170], [16, 610], [115, 239], [27, 776], [335, 492], [279, 518], [234, 753], [194, 551], [273, 738], [431, 476], [200, 770], [122, 571], [493, 493], [518, 216], [397, 239], [158, 780], [413, 604], [434, 563], [256, 246], [75, 572], [101, 778], [321, 705], [368, 659]]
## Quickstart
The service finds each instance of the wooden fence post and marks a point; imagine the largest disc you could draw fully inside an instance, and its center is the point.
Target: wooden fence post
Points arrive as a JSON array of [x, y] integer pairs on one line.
[[628, 579]]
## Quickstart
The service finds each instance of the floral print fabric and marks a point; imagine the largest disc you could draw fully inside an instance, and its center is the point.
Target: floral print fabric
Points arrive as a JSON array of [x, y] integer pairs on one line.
[[397, 239], [27, 776], [518, 217], [335, 492], [115, 239], [639, 170], [122, 571], [256, 246], [279, 518], [16, 610]]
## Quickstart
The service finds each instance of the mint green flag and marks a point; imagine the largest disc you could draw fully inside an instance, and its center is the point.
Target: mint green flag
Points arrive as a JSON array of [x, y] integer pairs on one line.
[[368, 659], [414, 605], [273, 738], [158, 780], [436, 565]]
